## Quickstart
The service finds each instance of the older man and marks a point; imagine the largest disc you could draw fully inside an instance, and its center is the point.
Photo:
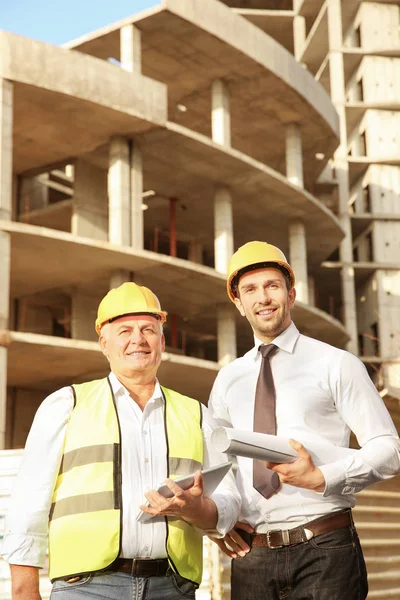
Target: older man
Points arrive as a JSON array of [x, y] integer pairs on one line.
[[302, 543], [93, 452]]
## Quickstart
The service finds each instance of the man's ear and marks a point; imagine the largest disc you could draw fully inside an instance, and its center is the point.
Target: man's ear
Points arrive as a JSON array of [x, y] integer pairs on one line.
[[292, 297], [239, 306], [162, 342], [103, 345]]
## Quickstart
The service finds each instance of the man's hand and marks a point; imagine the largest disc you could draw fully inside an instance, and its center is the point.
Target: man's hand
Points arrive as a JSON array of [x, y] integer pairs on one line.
[[25, 583], [233, 545], [190, 505], [301, 473]]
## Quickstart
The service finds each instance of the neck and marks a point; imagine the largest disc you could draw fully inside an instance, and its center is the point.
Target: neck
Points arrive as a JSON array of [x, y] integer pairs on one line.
[[140, 387]]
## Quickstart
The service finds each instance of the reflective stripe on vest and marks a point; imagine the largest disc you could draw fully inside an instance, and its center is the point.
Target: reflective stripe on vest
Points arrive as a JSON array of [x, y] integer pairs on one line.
[[86, 514]]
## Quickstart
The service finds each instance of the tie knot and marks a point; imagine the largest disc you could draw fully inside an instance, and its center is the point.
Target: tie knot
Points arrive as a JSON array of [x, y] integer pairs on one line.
[[268, 350]]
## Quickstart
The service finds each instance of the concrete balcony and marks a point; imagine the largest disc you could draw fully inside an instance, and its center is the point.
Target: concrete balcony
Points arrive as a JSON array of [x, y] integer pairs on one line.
[[192, 167], [103, 100], [188, 45], [77, 361], [276, 23], [185, 288]]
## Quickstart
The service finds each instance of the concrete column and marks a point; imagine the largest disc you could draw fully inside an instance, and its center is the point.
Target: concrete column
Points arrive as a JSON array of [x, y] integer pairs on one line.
[[6, 131], [120, 277], [89, 206], [294, 155], [119, 221], [215, 570], [223, 229], [298, 258], [338, 95], [223, 250], [220, 113], [5, 266], [311, 290], [136, 191], [131, 48], [83, 315], [196, 251], [299, 35], [226, 334]]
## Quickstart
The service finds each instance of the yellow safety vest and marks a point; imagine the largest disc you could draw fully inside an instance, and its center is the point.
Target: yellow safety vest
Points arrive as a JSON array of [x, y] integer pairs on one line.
[[85, 519]]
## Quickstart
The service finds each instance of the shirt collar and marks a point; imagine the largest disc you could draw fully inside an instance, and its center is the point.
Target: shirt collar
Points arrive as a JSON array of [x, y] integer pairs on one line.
[[118, 387], [285, 341]]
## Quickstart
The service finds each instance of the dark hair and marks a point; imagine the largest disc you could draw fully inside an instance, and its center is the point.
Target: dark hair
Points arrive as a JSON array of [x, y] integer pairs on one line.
[[263, 265]]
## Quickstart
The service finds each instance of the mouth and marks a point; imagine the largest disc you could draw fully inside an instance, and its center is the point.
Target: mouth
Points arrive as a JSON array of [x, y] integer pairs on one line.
[[266, 312], [138, 353]]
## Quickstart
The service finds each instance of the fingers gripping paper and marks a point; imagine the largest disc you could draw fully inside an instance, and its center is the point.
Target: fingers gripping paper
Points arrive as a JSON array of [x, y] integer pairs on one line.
[[272, 448]]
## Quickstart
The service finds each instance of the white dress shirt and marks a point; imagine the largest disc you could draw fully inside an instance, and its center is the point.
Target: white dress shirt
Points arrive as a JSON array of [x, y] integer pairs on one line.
[[321, 394], [143, 468]]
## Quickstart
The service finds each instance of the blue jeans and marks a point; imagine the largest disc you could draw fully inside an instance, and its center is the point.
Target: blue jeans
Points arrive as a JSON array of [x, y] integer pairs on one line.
[[328, 567], [121, 586]]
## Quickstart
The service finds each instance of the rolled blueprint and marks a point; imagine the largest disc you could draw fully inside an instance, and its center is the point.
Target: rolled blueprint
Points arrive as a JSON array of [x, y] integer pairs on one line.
[[273, 448]]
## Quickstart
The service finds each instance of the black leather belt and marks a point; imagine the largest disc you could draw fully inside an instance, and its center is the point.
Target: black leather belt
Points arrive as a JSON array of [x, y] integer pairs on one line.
[[279, 538], [141, 567]]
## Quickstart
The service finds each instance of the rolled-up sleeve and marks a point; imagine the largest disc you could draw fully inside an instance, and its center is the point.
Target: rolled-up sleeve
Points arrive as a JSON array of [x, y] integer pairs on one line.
[[226, 496], [26, 524]]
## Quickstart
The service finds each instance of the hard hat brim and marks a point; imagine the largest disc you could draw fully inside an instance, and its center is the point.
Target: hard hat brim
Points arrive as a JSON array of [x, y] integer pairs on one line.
[[235, 277], [160, 316]]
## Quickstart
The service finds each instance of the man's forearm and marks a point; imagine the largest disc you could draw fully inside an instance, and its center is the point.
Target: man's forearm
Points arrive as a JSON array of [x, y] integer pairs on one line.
[[25, 583]]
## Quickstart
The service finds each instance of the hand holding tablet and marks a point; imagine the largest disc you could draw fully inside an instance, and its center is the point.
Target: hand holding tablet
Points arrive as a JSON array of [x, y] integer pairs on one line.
[[212, 477]]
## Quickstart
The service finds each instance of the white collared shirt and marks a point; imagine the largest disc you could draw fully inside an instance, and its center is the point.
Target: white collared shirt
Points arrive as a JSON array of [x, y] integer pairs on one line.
[[321, 394], [143, 468]]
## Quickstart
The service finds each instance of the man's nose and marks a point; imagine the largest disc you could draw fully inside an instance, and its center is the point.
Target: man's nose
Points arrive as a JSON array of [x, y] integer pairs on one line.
[[136, 336], [264, 295]]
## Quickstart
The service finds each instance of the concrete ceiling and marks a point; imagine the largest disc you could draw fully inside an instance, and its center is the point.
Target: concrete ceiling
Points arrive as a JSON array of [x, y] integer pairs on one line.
[[183, 164], [47, 363], [188, 46], [276, 23], [44, 260], [66, 103]]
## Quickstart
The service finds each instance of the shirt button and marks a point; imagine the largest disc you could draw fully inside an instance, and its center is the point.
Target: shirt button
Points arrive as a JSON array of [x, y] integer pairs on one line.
[[268, 517], [145, 432], [146, 460]]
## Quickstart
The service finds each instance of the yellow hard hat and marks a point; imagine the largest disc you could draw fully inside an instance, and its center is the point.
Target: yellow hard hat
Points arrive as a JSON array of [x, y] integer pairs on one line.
[[256, 255], [128, 299]]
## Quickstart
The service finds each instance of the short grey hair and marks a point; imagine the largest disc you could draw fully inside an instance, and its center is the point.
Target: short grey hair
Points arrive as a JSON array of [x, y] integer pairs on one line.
[[104, 328]]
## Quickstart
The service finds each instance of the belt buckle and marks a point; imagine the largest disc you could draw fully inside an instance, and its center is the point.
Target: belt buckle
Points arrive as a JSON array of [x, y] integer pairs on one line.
[[134, 568], [308, 533], [270, 545]]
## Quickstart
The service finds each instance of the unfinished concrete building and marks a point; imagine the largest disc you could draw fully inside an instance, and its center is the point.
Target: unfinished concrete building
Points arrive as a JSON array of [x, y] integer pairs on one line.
[[150, 149]]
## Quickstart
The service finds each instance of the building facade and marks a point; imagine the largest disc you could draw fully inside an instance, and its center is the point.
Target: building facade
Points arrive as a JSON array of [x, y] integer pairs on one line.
[[151, 149]]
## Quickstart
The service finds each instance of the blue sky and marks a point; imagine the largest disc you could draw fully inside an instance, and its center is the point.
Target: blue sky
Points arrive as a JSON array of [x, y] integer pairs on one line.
[[57, 21]]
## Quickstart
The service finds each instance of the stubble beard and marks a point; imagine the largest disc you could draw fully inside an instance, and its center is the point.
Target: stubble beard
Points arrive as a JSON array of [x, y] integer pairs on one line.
[[270, 329]]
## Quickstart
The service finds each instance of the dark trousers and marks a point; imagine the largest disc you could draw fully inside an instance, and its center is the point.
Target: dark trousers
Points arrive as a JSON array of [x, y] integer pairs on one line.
[[328, 567]]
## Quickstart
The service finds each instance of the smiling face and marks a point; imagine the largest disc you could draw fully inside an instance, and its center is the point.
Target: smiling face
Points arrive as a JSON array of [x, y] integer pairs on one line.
[[265, 301], [133, 345]]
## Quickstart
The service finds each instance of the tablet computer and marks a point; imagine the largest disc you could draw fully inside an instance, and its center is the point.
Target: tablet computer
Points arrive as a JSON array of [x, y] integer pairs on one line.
[[212, 477]]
